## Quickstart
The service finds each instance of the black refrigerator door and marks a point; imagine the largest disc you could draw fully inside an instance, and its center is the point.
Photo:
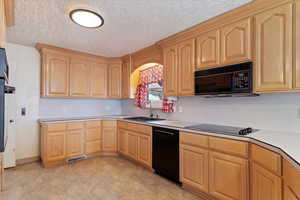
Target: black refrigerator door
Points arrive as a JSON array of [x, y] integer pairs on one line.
[[2, 124]]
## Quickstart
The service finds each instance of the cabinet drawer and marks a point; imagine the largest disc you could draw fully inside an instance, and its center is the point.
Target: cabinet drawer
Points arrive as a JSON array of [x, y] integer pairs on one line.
[[291, 177], [193, 139], [56, 127], [229, 146], [75, 125], [266, 158], [93, 134], [135, 127], [93, 147], [93, 124], [109, 123]]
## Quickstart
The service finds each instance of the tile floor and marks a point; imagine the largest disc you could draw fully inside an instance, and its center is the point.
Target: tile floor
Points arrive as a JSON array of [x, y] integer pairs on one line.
[[103, 178]]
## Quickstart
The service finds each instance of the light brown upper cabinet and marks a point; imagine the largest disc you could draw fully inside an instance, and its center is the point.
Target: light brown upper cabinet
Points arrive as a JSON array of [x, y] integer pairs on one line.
[[208, 50], [55, 75], [274, 33], [126, 80], [236, 42], [170, 71], [115, 81], [186, 68], [297, 43], [79, 78], [98, 80]]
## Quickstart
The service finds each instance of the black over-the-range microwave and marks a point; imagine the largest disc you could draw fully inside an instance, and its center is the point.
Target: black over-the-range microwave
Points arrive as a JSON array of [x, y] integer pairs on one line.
[[233, 80]]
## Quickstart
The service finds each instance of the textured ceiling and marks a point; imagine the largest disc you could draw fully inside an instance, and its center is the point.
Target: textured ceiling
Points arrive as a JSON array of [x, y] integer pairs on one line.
[[129, 25]]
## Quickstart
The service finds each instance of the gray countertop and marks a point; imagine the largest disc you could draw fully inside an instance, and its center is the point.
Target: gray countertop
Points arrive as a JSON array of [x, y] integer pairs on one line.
[[285, 143]]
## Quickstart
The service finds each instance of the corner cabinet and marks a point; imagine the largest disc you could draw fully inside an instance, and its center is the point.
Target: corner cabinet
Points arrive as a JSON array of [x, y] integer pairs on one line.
[[126, 72], [208, 50], [55, 75], [109, 136], [170, 71], [115, 81], [274, 46], [236, 42]]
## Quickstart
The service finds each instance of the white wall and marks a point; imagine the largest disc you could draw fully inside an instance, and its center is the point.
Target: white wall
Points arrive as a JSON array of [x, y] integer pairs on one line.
[[26, 60], [269, 111], [27, 75]]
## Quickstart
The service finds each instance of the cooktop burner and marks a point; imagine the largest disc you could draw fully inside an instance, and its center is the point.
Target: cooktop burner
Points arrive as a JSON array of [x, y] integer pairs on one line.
[[229, 130]]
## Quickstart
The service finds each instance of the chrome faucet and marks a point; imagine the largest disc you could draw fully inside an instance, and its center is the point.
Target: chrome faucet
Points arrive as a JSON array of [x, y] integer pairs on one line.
[[151, 110]]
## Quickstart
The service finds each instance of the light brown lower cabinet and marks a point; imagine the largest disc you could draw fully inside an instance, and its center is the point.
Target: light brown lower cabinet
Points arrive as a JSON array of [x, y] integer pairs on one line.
[[75, 143], [135, 142], [109, 136], [93, 137], [291, 178], [265, 185], [194, 165], [228, 177], [289, 194]]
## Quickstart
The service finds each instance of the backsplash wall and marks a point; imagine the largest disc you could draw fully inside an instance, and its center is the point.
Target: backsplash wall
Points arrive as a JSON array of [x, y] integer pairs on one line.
[[279, 112], [78, 107]]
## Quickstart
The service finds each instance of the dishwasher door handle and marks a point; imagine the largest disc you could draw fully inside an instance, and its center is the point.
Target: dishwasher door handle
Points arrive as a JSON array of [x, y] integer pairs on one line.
[[164, 132]]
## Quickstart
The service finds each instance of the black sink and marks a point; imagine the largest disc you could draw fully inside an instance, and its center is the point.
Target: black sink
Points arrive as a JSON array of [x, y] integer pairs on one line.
[[144, 119]]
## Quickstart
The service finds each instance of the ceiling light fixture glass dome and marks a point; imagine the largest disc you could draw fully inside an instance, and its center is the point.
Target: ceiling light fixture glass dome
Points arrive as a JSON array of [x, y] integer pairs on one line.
[[86, 18]]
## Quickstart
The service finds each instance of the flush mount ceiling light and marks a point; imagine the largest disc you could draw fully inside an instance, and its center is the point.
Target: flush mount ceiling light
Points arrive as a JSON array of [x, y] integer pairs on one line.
[[86, 18]]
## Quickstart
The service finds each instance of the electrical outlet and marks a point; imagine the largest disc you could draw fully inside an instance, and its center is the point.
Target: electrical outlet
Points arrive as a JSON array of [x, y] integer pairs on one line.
[[180, 109]]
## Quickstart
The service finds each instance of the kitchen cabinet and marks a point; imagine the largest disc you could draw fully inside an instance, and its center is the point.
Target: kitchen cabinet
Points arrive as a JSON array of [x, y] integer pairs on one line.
[[2, 25], [170, 71], [228, 177], [135, 141], [109, 136], [297, 49], [274, 45], [126, 72], [236, 42], [145, 149], [265, 185], [93, 137], [133, 145], [98, 80], [186, 67], [123, 141], [291, 179], [55, 148], [75, 143], [208, 50], [194, 167], [55, 75], [79, 78], [114, 81]]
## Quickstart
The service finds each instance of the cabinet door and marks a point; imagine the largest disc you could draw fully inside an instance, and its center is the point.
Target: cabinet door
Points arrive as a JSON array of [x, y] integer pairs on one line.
[[74, 143], [236, 42], [98, 78], [273, 70], [55, 75], [2, 26], [145, 149], [186, 68], [194, 167], [93, 134], [133, 145], [208, 50], [79, 78], [55, 146], [115, 81], [289, 194], [265, 185], [228, 177], [297, 43], [122, 141], [170, 71], [126, 80], [109, 136]]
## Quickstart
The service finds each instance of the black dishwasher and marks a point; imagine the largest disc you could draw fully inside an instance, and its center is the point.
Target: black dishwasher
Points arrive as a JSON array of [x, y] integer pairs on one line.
[[166, 153]]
